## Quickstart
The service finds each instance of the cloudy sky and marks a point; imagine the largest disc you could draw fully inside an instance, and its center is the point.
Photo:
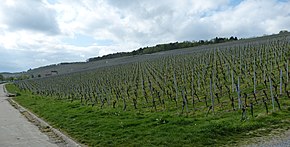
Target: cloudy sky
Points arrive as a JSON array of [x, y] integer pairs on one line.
[[35, 33]]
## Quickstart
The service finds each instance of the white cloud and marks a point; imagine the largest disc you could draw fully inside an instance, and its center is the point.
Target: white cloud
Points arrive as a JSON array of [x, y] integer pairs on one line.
[[35, 33]]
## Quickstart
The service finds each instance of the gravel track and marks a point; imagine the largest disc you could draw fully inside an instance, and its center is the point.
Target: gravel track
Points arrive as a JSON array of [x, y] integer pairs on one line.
[[273, 140], [16, 130]]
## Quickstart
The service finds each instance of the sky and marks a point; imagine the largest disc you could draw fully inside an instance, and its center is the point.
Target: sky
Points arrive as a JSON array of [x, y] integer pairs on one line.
[[36, 33]]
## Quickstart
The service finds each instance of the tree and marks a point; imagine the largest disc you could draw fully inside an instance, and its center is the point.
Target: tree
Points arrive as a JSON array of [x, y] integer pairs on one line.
[[283, 31], [1, 77]]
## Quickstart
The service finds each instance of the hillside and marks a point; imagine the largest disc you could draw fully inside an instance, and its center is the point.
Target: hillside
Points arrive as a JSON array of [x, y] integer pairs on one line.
[[202, 96], [65, 68]]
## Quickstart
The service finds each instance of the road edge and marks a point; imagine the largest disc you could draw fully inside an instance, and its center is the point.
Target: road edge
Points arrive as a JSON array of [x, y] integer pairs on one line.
[[43, 124]]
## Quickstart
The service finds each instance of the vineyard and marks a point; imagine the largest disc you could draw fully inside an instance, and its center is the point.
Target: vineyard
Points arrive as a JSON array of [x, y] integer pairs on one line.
[[205, 81]]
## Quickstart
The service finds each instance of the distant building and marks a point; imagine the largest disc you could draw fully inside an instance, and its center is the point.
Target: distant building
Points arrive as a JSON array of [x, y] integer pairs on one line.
[[52, 73], [49, 74]]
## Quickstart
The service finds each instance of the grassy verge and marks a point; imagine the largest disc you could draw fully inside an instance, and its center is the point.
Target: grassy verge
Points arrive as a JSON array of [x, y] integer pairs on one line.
[[114, 127]]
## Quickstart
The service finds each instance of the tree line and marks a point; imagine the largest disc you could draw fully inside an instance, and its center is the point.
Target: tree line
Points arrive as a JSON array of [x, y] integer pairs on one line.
[[164, 47], [1, 77]]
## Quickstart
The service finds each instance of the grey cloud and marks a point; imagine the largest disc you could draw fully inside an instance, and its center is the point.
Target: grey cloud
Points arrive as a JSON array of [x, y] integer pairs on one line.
[[22, 60], [30, 15], [13, 61], [196, 31], [123, 4]]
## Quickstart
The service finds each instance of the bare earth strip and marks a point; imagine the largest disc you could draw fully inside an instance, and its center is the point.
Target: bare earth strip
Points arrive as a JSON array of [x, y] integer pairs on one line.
[[16, 130]]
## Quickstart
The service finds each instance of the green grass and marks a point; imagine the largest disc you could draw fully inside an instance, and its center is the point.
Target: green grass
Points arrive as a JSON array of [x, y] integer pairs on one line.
[[113, 127]]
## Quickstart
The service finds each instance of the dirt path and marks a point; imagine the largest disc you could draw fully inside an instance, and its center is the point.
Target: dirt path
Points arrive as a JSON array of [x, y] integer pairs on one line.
[[273, 140], [16, 130]]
